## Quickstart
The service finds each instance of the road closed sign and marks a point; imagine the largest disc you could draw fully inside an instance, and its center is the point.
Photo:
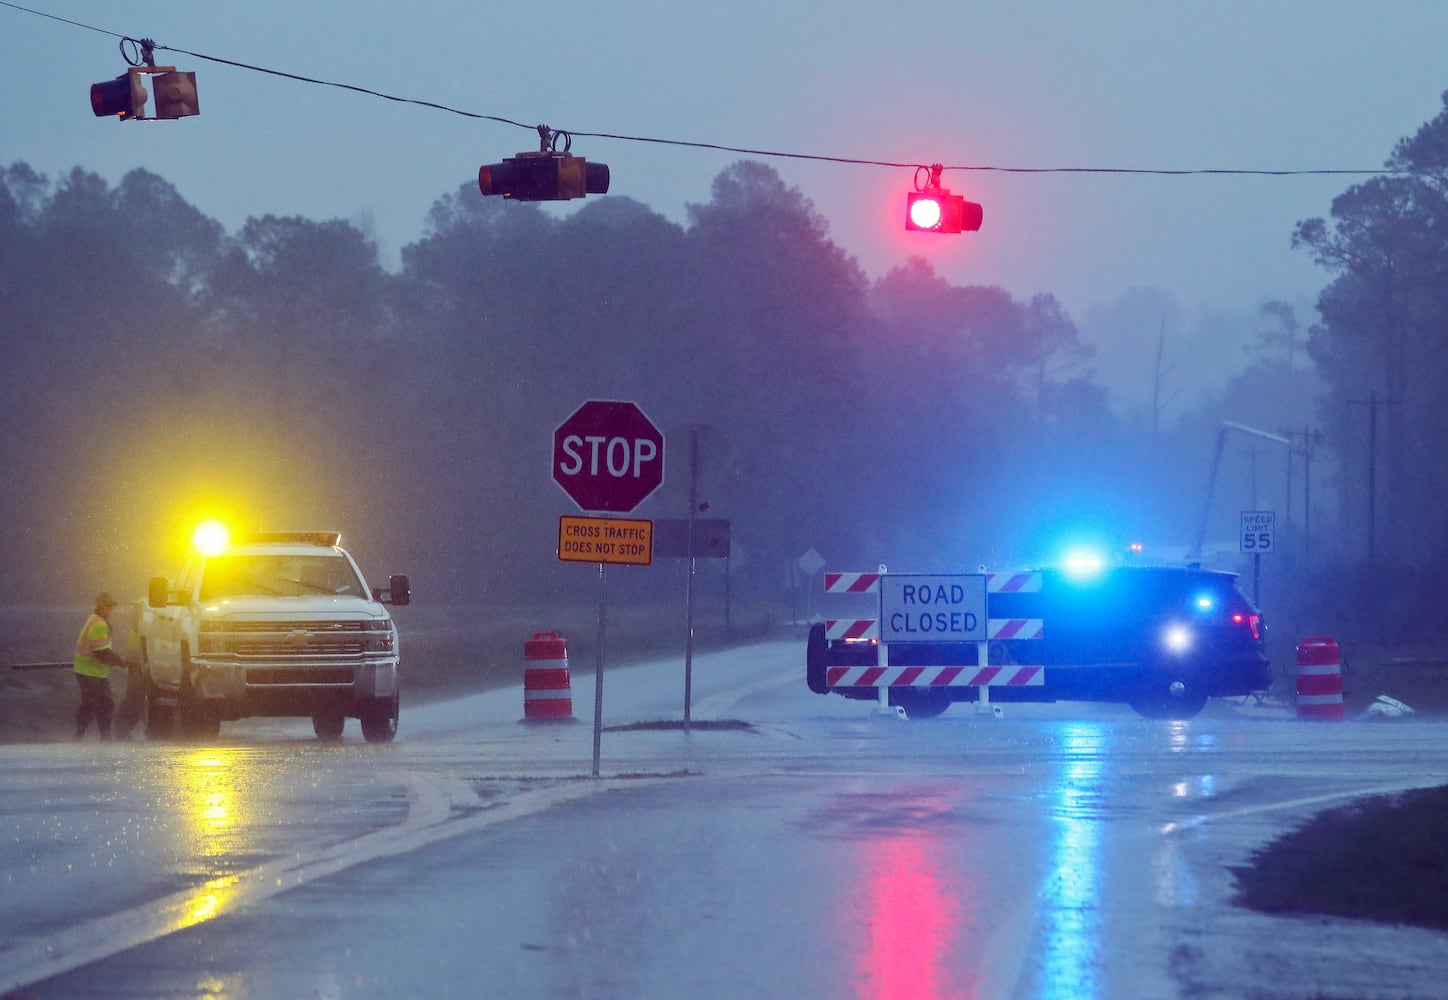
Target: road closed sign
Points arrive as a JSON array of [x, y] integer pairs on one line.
[[921, 608]]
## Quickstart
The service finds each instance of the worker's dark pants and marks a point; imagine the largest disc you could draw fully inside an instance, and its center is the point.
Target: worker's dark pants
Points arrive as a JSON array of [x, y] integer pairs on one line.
[[95, 703]]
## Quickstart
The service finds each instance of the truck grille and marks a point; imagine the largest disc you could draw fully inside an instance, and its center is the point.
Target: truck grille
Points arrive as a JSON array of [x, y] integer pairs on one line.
[[285, 647], [289, 643]]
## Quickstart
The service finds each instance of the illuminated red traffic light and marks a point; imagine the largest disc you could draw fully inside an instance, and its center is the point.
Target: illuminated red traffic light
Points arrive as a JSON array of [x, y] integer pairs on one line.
[[922, 211], [936, 210]]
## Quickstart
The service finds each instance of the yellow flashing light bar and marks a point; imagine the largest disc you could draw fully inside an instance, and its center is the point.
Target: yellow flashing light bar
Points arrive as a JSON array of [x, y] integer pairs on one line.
[[328, 538], [211, 538]]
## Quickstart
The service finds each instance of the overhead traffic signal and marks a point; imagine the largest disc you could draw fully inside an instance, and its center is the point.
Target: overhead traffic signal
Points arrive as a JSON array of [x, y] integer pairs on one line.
[[551, 174], [125, 96], [543, 177], [933, 209]]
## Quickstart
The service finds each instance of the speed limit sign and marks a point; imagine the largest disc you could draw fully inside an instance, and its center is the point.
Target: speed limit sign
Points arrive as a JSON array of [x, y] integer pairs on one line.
[[1257, 528]]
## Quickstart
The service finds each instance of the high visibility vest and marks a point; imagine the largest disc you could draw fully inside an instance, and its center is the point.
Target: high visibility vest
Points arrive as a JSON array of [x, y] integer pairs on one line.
[[95, 636]]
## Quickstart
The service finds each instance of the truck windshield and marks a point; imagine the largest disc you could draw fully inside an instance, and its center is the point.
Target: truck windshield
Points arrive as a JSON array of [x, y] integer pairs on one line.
[[278, 576]]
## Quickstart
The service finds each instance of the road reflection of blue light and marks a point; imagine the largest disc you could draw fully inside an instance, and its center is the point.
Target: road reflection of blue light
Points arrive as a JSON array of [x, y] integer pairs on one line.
[[1175, 885], [1181, 739], [1071, 919]]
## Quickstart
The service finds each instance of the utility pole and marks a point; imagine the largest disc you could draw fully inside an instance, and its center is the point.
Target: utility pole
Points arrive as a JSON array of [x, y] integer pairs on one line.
[[1372, 403], [1303, 443]]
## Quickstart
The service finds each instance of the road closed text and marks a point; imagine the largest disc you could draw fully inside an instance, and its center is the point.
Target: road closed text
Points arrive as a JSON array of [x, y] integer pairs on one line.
[[605, 540], [932, 608]]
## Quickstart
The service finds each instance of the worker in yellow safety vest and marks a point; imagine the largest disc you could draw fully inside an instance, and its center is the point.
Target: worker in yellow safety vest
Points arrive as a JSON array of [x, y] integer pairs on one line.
[[93, 661]]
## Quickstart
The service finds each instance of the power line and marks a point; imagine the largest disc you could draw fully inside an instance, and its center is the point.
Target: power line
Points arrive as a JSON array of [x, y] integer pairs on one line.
[[720, 147]]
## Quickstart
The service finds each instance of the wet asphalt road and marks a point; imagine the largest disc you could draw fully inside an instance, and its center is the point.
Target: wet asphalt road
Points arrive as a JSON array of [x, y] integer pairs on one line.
[[1057, 851]]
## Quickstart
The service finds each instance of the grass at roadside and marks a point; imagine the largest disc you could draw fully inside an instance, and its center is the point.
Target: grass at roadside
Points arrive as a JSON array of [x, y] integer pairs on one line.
[[1382, 858]]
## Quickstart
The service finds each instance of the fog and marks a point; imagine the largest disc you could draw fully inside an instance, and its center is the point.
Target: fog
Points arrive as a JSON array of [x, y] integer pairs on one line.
[[158, 368]]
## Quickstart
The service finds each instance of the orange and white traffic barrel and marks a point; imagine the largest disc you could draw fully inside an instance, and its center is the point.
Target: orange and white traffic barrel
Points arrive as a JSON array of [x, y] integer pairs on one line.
[[547, 693], [1319, 679]]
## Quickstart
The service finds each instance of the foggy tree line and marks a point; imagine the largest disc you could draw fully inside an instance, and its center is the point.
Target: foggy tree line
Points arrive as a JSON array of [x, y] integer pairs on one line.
[[155, 366], [1382, 345]]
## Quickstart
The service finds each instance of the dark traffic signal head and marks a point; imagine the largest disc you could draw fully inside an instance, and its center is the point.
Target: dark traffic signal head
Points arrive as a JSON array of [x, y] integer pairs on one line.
[[543, 177], [123, 97]]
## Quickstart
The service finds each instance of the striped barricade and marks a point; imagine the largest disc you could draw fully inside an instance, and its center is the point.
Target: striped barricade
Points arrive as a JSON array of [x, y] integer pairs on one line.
[[1010, 675], [945, 675]]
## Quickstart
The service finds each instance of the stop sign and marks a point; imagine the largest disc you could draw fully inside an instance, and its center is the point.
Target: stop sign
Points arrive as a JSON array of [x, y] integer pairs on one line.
[[608, 456]]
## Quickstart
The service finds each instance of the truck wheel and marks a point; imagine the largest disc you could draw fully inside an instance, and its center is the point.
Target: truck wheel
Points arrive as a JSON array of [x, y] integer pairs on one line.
[[197, 721], [1175, 694], [920, 703], [160, 713], [329, 725], [379, 720]]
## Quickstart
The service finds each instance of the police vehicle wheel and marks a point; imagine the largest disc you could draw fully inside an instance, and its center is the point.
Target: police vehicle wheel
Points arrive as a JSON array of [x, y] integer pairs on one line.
[[329, 725], [816, 649], [379, 723], [921, 704], [1173, 695]]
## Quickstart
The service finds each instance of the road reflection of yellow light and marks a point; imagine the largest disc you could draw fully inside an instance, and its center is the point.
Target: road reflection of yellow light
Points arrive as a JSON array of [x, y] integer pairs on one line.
[[207, 902], [210, 797]]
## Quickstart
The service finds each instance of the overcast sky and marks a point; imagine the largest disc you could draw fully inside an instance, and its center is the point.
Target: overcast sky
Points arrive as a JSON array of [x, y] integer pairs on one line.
[[1157, 84]]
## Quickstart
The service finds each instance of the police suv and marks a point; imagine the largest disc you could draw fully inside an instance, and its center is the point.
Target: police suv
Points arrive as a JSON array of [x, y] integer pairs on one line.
[[275, 624], [1161, 639]]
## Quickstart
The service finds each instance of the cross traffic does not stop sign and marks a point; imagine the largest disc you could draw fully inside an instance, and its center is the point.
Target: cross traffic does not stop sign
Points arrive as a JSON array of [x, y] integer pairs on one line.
[[608, 456]]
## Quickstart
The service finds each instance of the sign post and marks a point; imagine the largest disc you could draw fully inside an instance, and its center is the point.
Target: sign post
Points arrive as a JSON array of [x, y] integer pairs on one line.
[[1258, 527], [607, 456]]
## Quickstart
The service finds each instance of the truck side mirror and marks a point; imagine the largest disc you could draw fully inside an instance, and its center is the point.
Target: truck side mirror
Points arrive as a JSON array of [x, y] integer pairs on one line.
[[158, 592], [398, 592]]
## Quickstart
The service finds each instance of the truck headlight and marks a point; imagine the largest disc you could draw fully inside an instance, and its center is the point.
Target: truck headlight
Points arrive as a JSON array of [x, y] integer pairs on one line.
[[379, 637]]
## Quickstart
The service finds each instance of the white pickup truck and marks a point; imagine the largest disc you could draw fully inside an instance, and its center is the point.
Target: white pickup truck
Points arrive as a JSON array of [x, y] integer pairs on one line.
[[276, 624]]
